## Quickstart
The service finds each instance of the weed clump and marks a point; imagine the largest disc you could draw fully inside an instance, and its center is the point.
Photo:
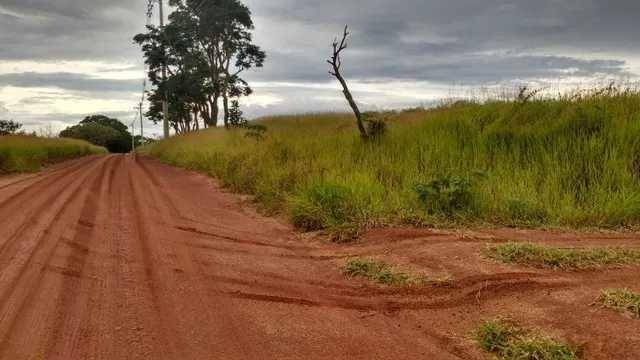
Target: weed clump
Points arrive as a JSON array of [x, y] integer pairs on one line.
[[377, 271], [510, 342], [447, 195], [623, 300], [563, 259]]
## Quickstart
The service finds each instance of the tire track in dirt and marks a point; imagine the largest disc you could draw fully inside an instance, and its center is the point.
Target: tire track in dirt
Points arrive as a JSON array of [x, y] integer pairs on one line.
[[19, 294], [180, 269]]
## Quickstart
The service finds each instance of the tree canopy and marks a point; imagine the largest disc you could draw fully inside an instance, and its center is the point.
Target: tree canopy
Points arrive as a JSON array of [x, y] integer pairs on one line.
[[8, 127], [206, 46], [102, 131]]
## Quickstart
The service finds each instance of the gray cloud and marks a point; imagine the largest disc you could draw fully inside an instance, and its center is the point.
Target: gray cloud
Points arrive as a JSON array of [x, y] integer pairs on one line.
[[431, 41], [68, 81]]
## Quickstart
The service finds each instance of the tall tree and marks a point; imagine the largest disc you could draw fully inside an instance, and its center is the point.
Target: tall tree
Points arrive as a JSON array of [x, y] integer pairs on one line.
[[207, 45]]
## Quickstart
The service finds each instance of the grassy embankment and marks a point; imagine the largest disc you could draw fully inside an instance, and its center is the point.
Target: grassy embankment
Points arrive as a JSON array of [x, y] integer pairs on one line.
[[30, 153], [573, 161]]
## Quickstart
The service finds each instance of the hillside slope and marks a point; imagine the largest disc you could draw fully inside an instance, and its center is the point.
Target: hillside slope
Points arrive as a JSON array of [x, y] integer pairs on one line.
[[573, 161]]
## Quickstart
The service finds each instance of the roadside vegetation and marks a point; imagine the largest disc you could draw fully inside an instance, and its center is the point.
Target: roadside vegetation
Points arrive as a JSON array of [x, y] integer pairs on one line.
[[379, 272], [103, 131], [30, 153], [623, 300], [572, 161], [561, 258], [510, 342]]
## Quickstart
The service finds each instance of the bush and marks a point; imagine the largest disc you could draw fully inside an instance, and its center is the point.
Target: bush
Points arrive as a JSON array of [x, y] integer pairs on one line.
[[447, 195]]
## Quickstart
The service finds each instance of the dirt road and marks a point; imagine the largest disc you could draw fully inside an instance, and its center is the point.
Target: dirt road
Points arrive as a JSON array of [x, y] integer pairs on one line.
[[122, 258]]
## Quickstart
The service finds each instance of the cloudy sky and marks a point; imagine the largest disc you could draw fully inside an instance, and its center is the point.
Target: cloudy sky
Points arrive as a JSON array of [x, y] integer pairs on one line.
[[61, 60]]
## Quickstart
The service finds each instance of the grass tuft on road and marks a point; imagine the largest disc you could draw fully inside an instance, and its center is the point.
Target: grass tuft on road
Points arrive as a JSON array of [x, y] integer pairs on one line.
[[623, 300], [30, 153], [559, 258], [509, 342], [378, 271]]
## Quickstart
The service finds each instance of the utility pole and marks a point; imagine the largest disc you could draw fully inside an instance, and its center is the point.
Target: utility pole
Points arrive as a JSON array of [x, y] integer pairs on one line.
[[165, 105], [141, 123], [133, 136]]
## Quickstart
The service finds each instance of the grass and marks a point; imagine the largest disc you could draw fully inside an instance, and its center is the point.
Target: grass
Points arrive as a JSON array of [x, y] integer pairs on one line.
[[559, 258], [30, 153], [379, 272], [623, 300], [510, 342], [566, 162]]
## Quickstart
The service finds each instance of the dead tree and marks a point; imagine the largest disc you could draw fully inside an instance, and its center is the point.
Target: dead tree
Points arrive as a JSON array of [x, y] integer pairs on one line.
[[336, 63]]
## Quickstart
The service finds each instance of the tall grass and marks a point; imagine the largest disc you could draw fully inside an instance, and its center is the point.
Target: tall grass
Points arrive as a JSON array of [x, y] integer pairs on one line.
[[571, 161], [30, 153]]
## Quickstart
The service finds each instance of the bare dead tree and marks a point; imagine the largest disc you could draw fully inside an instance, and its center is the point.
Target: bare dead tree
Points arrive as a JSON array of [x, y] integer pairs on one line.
[[336, 63]]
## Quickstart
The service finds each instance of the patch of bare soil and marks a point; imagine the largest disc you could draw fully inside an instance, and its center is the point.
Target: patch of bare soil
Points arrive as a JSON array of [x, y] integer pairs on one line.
[[118, 257]]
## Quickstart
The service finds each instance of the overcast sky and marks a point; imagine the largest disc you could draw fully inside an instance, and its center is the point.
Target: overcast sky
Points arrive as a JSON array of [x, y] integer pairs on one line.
[[61, 60]]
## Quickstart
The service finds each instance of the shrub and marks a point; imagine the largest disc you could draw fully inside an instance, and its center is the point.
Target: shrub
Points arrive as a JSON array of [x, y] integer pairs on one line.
[[447, 195]]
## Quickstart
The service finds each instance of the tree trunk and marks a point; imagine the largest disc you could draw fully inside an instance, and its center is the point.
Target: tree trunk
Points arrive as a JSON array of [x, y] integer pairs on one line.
[[352, 103], [225, 103], [215, 111]]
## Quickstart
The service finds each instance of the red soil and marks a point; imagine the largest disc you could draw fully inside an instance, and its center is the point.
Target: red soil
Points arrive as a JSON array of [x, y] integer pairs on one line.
[[122, 258]]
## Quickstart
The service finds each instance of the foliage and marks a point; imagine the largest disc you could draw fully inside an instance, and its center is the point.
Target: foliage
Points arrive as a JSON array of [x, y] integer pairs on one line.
[[30, 153], [559, 258], [510, 342], [8, 127], [101, 131], [376, 271], [255, 131], [621, 300], [376, 124], [447, 195], [206, 47], [571, 161]]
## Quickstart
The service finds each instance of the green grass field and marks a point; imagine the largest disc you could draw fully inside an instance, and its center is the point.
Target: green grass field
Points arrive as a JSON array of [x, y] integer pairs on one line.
[[30, 153], [572, 161]]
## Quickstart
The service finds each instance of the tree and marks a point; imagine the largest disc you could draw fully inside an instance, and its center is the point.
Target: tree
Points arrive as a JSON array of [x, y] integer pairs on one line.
[[206, 46], [236, 118], [9, 127], [336, 64], [106, 121], [102, 131]]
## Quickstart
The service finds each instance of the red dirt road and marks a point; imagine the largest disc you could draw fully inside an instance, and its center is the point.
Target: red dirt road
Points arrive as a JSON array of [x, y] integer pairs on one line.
[[122, 258]]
